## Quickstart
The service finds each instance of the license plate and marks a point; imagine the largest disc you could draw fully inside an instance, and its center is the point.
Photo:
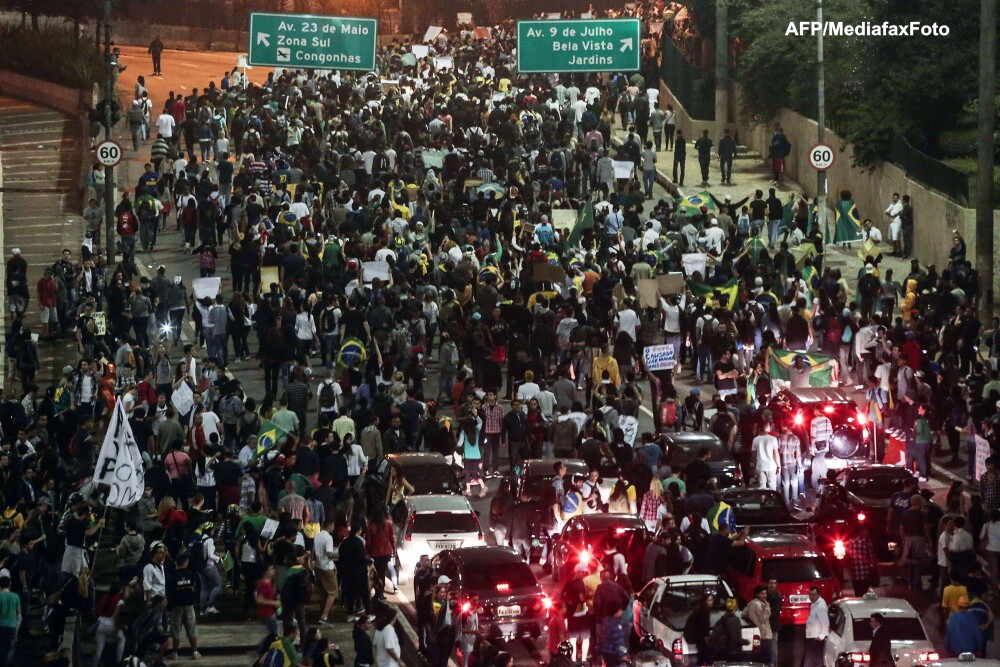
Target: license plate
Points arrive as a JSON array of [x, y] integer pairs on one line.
[[512, 610], [798, 599], [448, 544]]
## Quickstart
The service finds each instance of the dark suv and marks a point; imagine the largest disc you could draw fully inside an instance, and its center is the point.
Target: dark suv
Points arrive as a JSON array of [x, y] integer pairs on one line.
[[852, 440], [511, 603]]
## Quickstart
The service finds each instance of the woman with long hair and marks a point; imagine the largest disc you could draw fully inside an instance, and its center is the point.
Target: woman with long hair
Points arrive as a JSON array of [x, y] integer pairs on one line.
[[240, 327], [654, 505]]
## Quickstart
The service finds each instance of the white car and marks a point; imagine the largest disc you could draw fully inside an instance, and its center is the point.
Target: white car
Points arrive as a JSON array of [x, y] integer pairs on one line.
[[434, 523], [663, 606], [851, 632], [964, 660]]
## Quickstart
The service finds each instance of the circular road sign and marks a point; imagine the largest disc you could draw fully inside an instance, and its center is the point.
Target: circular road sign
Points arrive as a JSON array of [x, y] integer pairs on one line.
[[821, 157], [109, 153]]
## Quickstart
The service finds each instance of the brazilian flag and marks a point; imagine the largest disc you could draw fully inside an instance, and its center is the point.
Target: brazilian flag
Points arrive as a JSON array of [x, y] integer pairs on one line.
[[352, 354], [584, 221], [848, 227], [61, 400], [787, 215], [780, 362], [268, 436], [712, 293]]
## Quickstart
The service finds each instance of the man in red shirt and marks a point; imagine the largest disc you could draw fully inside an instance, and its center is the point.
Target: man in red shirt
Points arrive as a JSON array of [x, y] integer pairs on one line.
[[48, 289], [914, 355]]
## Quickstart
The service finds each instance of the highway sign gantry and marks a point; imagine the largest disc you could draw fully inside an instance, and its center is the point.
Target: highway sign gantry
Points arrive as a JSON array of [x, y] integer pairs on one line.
[[578, 45], [317, 42]]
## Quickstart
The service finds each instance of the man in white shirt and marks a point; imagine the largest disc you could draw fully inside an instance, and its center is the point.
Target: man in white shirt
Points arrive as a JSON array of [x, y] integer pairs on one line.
[[716, 237], [817, 629], [154, 579], [528, 389], [870, 232], [165, 124], [387, 651], [672, 308], [765, 446], [628, 321], [326, 567], [895, 224]]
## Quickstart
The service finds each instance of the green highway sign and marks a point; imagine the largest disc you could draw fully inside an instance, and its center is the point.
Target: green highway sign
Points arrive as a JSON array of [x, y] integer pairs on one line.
[[578, 45], [318, 42]]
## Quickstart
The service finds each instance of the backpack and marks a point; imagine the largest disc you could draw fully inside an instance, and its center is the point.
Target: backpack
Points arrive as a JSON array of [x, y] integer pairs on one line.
[[848, 334], [298, 588], [668, 413], [196, 552], [327, 396], [708, 329], [834, 331], [206, 261], [695, 539]]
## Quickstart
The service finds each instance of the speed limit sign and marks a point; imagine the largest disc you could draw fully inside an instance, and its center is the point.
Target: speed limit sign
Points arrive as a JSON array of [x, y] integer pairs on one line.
[[821, 157], [109, 153]]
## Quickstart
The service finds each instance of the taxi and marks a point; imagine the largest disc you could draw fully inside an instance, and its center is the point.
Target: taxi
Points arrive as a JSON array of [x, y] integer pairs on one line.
[[851, 632]]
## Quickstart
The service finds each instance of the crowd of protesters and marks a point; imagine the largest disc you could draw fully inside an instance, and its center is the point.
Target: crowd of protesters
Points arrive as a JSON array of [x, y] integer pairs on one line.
[[450, 179]]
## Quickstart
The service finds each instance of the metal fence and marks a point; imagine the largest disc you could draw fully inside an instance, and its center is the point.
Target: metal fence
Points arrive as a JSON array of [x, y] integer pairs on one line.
[[696, 94], [930, 172]]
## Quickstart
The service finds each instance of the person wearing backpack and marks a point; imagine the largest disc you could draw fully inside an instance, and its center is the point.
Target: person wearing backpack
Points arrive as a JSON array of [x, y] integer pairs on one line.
[[204, 559], [328, 395], [295, 594], [726, 638]]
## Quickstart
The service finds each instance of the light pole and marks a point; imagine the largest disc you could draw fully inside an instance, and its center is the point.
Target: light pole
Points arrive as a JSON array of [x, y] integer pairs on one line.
[[721, 64], [109, 172], [987, 146], [821, 121]]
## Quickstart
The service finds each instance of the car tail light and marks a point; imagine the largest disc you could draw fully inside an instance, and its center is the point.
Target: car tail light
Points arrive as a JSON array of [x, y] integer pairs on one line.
[[678, 647], [862, 419], [409, 527], [738, 474], [756, 642], [930, 655], [466, 607], [584, 557], [503, 587], [546, 602], [839, 551], [620, 531], [799, 419], [828, 409], [861, 657], [862, 516]]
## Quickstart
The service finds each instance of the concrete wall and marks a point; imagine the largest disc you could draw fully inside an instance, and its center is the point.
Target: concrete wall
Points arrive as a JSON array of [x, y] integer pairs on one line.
[[71, 101], [934, 215], [691, 127]]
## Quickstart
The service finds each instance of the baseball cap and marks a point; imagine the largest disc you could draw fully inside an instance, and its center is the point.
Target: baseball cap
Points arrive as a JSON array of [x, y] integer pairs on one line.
[[444, 579]]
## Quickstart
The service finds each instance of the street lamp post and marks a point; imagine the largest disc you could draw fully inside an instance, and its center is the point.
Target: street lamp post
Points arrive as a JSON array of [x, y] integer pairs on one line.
[[987, 146], [109, 172], [821, 122]]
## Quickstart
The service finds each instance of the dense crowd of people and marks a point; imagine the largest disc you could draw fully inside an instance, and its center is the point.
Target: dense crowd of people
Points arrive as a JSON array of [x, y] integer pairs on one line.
[[370, 235]]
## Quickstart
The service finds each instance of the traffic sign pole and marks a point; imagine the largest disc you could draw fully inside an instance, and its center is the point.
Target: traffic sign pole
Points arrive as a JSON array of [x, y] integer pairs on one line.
[[299, 41], [578, 45]]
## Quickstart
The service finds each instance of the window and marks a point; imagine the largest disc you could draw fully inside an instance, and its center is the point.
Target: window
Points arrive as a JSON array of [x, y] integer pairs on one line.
[[482, 579], [795, 569], [646, 595], [682, 453], [900, 628], [742, 561], [428, 479], [444, 522], [677, 602], [837, 620], [877, 485]]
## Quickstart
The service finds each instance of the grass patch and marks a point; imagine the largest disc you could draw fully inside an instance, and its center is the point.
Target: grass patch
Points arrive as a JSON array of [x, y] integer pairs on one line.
[[50, 54]]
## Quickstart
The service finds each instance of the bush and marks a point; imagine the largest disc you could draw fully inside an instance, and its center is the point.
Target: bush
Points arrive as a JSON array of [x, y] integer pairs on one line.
[[50, 54]]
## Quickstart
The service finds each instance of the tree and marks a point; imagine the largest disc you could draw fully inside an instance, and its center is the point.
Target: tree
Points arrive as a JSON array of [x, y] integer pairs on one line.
[[77, 11]]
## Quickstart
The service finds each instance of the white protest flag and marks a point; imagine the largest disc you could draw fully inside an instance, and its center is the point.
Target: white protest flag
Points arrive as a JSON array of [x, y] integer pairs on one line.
[[119, 464]]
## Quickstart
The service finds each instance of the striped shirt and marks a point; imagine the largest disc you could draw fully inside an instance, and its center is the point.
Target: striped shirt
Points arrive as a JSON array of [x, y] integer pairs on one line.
[[788, 447], [821, 429], [493, 418]]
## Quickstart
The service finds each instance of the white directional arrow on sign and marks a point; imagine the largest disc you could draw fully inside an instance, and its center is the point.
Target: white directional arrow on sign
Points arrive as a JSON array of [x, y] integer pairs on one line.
[[626, 44], [262, 38]]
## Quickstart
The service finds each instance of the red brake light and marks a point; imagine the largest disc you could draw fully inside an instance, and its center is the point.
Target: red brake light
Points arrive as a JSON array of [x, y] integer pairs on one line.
[[503, 587], [839, 552], [861, 657], [466, 607], [932, 655], [828, 409], [409, 527], [678, 647], [620, 531], [862, 516], [546, 602], [756, 642], [584, 558], [862, 419], [799, 419]]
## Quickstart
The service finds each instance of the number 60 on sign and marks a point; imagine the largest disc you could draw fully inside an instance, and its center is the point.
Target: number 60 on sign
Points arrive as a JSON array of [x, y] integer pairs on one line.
[[109, 153]]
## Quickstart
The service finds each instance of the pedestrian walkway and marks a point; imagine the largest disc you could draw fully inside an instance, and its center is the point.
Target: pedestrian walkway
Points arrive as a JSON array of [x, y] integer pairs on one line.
[[40, 162]]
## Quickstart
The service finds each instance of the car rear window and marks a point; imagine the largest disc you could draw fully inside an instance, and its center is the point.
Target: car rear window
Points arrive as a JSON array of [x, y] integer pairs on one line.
[[444, 522], [428, 479], [900, 628], [788, 570], [687, 596], [483, 578], [682, 453], [878, 485]]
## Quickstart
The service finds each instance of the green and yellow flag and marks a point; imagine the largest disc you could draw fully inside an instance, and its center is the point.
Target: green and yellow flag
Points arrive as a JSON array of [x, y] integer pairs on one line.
[[584, 221], [268, 436], [730, 292], [61, 400], [779, 363], [848, 227]]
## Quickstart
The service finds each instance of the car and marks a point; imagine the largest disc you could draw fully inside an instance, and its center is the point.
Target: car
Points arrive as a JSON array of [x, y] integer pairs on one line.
[[851, 633], [530, 483], [963, 660], [858, 495], [586, 537], [853, 439], [435, 523], [762, 509], [683, 447], [664, 604], [427, 472], [793, 560], [511, 602]]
